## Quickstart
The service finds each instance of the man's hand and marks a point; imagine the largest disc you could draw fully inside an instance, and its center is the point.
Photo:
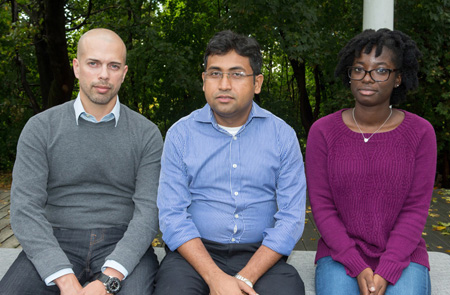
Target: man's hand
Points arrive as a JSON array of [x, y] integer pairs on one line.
[[68, 284], [366, 282], [223, 284], [94, 288]]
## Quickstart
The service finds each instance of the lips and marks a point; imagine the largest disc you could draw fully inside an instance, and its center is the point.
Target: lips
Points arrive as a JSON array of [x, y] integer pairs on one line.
[[224, 98], [367, 91], [102, 88]]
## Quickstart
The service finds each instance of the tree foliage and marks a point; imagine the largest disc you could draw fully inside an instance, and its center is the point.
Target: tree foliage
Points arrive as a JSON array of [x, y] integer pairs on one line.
[[166, 40]]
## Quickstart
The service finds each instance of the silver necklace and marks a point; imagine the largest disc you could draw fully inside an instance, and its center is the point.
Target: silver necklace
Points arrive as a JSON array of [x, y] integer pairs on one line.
[[367, 139]]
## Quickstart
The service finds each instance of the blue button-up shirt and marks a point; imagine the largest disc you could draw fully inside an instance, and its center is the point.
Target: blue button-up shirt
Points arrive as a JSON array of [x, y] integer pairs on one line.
[[245, 188]]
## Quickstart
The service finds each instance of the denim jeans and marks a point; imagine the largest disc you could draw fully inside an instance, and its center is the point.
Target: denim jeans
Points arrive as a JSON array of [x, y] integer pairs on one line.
[[86, 250], [331, 278]]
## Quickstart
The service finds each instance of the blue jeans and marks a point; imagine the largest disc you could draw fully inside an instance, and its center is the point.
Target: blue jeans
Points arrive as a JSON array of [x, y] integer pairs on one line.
[[86, 250], [331, 278]]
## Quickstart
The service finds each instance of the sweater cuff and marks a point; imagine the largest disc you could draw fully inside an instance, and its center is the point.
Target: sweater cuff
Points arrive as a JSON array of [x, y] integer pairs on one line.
[[354, 265], [389, 270]]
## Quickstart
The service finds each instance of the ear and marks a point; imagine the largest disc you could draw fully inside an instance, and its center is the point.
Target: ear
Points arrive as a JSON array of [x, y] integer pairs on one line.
[[76, 67], [258, 83], [125, 70], [398, 80], [203, 78]]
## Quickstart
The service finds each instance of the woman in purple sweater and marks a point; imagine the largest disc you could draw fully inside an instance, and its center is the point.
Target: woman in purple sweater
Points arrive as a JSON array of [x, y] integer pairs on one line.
[[370, 172]]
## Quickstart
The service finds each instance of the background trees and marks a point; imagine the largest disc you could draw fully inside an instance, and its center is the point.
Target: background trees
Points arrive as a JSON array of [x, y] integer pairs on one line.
[[166, 40]]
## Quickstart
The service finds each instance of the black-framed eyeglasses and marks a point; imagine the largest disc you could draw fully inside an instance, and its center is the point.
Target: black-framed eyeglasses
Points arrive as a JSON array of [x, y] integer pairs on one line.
[[233, 75], [378, 75]]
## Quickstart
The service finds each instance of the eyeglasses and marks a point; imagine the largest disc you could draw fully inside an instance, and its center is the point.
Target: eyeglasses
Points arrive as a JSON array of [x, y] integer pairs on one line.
[[378, 75], [233, 75]]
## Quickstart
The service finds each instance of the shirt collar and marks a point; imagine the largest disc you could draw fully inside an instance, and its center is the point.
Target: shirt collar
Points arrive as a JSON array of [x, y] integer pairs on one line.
[[206, 115], [79, 109]]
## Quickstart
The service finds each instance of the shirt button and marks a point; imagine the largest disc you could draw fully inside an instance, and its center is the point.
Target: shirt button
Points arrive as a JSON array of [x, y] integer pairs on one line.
[[233, 239], [234, 137], [236, 215], [234, 166], [236, 193]]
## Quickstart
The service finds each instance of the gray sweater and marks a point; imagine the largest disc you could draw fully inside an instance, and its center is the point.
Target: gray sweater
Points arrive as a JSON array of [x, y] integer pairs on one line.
[[85, 176]]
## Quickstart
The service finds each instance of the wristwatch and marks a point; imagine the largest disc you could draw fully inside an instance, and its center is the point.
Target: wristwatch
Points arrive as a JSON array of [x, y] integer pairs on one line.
[[112, 284]]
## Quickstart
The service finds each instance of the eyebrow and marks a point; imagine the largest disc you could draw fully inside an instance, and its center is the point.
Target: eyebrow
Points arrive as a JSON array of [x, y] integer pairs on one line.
[[97, 60], [230, 69], [382, 63]]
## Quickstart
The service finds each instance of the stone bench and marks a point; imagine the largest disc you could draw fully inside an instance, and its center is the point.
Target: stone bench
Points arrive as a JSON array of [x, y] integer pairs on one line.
[[303, 261]]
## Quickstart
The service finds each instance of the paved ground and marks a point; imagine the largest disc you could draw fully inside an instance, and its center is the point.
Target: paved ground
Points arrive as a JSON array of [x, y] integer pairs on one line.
[[438, 222]]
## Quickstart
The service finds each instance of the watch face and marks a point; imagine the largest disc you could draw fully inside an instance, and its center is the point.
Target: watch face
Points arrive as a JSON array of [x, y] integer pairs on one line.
[[113, 285]]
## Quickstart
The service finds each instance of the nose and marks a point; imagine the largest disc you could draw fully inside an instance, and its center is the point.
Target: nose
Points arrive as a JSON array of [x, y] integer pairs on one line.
[[104, 73], [225, 82]]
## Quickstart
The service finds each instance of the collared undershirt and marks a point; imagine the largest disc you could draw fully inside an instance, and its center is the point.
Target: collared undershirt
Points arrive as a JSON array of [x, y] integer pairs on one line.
[[81, 113]]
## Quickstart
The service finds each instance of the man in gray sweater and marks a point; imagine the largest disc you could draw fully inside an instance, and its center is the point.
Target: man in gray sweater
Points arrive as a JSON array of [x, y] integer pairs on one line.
[[83, 198]]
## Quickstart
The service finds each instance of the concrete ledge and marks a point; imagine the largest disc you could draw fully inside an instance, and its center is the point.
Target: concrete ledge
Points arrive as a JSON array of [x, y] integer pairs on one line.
[[303, 261]]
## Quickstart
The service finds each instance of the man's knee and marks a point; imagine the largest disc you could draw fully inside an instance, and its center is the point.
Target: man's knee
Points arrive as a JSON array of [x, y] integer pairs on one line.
[[176, 276], [141, 280], [23, 279], [282, 278]]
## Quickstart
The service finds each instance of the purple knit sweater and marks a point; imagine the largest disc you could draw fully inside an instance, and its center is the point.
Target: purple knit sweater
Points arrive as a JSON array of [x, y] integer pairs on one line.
[[370, 200]]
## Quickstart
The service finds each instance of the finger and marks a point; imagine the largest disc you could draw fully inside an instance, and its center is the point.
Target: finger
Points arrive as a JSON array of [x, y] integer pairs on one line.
[[371, 285], [248, 290]]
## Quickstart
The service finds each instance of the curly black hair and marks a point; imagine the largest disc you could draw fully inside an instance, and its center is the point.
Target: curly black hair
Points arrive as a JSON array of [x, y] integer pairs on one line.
[[225, 41], [406, 55]]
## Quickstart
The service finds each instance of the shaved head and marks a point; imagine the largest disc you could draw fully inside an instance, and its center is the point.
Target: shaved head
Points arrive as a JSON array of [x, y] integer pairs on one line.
[[100, 67], [100, 34]]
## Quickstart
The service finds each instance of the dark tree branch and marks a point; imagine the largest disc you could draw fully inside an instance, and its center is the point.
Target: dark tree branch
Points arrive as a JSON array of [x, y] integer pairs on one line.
[[26, 85], [88, 14]]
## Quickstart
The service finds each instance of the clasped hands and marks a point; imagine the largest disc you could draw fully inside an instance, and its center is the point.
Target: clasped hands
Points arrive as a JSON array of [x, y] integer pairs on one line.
[[224, 284], [370, 284]]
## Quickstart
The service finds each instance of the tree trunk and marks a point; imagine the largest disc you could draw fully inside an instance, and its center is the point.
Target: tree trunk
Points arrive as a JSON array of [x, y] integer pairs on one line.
[[306, 114], [61, 85]]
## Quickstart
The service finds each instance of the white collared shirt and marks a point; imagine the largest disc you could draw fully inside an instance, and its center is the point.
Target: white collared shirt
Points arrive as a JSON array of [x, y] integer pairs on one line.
[[80, 112]]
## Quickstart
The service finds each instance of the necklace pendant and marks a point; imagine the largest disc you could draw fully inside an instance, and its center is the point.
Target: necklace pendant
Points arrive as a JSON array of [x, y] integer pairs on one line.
[[366, 139]]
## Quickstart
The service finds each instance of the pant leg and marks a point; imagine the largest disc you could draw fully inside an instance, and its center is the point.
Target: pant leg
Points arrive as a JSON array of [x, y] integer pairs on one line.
[[415, 280], [22, 278], [281, 278], [331, 278], [176, 276], [102, 244], [142, 279]]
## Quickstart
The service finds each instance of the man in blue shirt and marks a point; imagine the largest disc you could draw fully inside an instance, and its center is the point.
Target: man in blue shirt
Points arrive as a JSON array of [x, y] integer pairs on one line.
[[232, 188]]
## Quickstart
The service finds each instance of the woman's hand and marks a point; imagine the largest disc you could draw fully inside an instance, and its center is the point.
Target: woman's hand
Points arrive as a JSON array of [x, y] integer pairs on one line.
[[380, 285], [366, 282]]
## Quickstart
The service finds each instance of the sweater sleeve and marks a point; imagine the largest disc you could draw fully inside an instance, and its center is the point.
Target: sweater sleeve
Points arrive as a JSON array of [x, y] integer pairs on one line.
[[407, 232], [144, 224], [28, 199], [332, 230]]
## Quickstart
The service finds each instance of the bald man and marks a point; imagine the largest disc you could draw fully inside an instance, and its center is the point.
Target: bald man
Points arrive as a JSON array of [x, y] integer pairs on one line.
[[83, 198]]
